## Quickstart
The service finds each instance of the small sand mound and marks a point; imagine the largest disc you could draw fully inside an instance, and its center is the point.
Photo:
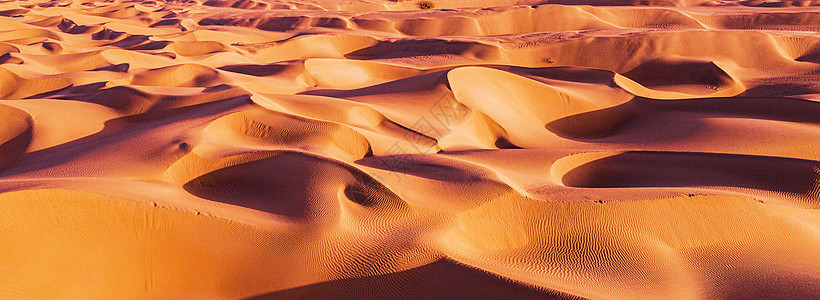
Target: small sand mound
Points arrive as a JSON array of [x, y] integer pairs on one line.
[[132, 100], [314, 46], [351, 74], [262, 128], [185, 75], [197, 48]]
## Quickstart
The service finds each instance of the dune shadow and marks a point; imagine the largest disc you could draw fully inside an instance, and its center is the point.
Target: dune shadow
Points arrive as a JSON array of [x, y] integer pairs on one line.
[[443, 279], [608, 121], [421, 47], [276, 185], [694, 169], [290, 184], [411, 165]]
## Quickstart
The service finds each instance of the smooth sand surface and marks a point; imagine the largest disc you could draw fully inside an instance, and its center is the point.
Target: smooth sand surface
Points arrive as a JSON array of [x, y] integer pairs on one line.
[[369, 149]]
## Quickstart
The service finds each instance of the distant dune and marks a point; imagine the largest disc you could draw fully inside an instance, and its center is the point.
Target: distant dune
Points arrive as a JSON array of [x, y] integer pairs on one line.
[[442, 149]]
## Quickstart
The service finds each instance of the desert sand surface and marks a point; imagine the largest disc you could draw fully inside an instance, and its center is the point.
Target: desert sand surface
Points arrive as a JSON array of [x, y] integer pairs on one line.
[[370, 149]]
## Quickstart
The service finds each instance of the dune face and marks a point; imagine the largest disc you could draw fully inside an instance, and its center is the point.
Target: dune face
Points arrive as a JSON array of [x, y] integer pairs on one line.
[[344, 149]]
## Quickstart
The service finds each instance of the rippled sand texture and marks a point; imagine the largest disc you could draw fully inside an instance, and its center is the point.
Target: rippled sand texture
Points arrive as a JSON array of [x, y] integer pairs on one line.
[[334, 150]]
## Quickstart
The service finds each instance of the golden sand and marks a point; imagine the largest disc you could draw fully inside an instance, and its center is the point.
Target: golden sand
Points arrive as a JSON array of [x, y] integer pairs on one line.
[[370, 149]]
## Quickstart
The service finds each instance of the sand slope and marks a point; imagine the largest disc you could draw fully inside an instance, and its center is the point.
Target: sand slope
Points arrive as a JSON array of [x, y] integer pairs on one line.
[[488, 149]]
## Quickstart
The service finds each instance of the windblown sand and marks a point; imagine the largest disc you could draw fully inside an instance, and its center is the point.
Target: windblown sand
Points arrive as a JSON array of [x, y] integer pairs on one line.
[[372, 150]]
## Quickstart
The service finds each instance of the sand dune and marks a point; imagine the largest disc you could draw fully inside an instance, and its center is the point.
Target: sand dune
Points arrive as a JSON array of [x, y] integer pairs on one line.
[[489, 149], [16, 135]]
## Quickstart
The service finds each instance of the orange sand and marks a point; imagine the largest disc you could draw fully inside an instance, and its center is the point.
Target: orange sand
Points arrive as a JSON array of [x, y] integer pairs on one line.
[[366, 149]]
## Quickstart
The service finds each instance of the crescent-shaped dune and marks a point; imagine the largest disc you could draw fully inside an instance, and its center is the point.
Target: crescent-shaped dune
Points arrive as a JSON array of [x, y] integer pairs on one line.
[[425, 149]]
